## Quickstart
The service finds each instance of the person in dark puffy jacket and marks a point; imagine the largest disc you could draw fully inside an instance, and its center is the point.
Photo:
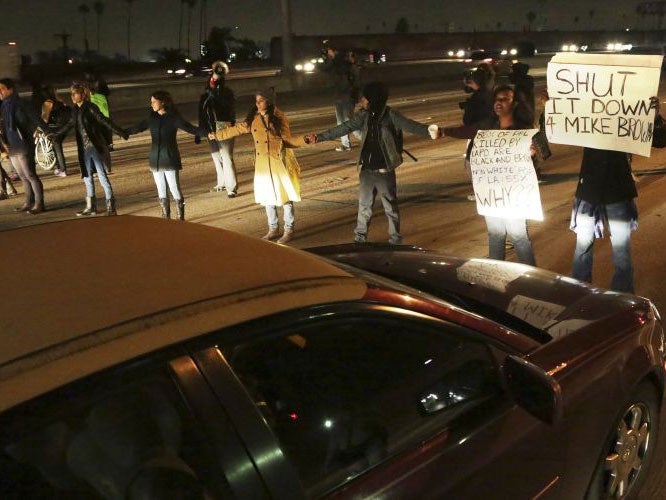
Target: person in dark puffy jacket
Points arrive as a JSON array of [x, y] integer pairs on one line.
[[217, 110], [163, 123]]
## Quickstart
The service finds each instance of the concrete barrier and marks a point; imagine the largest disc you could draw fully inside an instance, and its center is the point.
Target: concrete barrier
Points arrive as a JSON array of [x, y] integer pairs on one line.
[[189, 90]]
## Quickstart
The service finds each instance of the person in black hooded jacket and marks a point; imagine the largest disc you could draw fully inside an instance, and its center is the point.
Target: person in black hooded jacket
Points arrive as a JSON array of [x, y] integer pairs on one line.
[[217, 110]]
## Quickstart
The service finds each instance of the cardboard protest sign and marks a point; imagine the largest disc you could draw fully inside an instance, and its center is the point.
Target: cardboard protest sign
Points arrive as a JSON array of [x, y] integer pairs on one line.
[[503, 176], [602, 100]]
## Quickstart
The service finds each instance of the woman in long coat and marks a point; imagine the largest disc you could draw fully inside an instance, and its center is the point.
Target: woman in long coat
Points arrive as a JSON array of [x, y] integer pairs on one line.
[[276, 171], [165, 164]]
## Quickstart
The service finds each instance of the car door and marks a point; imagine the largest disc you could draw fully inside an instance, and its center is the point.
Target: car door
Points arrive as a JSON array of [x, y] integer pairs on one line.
[[150, 428], [376, 402]]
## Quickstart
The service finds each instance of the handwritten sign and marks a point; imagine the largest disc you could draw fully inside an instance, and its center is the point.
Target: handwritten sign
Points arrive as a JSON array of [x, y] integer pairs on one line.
[[536, 312], [602, 101], [503, 176], [493, 275]]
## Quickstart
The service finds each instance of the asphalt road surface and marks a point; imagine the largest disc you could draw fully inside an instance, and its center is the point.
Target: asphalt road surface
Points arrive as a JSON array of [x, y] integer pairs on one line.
[[435, 212]]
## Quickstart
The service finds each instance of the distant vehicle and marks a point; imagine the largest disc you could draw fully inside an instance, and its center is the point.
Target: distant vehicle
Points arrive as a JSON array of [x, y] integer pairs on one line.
[[363, 56], [187, 68], [368, 56]]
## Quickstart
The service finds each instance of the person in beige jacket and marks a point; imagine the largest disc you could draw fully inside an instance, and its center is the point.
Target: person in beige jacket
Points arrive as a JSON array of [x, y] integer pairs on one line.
[[276, 170]]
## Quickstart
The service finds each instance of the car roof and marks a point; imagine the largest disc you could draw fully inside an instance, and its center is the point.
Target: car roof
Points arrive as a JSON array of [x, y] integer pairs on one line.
[[83, 295]]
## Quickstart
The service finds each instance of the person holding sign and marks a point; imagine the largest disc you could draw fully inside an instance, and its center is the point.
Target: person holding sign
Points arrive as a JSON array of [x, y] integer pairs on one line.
[[497, 154], [605, 198]]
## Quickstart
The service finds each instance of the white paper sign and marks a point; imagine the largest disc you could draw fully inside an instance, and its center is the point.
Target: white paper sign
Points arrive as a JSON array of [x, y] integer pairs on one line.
[[537, 313], [494, 275], [602, 100], [503, 176]]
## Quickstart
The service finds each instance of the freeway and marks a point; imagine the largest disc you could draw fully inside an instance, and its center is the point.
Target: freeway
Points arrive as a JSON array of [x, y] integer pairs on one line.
[[433, 193]]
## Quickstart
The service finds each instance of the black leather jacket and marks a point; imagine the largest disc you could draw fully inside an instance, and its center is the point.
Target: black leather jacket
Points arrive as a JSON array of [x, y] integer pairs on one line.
[[94, 123]]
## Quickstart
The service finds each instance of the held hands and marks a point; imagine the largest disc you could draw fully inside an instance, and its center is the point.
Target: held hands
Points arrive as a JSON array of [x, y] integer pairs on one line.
[[310, 138]]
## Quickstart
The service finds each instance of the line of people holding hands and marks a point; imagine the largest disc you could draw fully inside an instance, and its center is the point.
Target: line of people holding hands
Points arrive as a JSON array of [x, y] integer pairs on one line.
[[604, 196]]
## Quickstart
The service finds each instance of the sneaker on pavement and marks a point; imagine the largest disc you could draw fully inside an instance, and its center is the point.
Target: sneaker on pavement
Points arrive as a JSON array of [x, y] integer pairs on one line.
[[217, 189], [471, 197], [360, 238], [60, 173], [343, 148]]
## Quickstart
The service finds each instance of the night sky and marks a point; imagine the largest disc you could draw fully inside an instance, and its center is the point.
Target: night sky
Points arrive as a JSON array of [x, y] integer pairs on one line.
[[155, 23]]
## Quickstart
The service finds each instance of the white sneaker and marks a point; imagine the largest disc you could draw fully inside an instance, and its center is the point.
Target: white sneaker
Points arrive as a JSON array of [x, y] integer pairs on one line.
[[343, 148]]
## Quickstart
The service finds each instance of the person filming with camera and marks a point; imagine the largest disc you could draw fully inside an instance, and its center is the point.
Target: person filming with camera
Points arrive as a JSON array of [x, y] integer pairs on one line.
[[217, 111]]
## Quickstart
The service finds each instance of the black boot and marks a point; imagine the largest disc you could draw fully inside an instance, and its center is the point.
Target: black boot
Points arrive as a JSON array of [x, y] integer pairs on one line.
[[111, 207], [180, 209], [91, 207], [165, 205]]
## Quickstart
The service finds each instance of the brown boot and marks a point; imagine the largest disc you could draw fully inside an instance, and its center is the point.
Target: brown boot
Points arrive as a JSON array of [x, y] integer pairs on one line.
[[272, 234], [287, 236]]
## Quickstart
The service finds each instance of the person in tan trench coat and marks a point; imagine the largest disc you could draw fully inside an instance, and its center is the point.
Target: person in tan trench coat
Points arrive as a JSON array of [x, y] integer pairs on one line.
[[276, 170]]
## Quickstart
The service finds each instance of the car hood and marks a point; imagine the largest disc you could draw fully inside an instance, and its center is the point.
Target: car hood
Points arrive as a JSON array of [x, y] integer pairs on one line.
[[540, 303]]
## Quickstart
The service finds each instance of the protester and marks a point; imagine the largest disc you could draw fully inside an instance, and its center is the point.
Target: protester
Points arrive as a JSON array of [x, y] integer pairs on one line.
[[381, 153], [344, 77], [523, 86], [605, 198], [507, 117], [89, 124], [478, 107], [17, 128], [54, 113], [165, 164], [276, 171], [99, 96], [217, 110]]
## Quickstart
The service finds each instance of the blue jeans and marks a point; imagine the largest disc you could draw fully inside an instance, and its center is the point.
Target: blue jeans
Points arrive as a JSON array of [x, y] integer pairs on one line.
[[170, 178], [372, 183], [94, 162], [516, 229], [621, 220], [287, 215]]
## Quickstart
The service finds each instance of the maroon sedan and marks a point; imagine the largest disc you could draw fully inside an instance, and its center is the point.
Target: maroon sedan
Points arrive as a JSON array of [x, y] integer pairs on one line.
[[162, 359]]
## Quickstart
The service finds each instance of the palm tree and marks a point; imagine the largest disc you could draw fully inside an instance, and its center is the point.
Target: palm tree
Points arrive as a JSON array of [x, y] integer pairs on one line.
[[190, 8], [129, 27], [98, 7], [530, 16], [84, 10]]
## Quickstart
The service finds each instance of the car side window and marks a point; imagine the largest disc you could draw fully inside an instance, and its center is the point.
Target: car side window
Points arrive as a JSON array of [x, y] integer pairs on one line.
[[133, 438], [344, 396]]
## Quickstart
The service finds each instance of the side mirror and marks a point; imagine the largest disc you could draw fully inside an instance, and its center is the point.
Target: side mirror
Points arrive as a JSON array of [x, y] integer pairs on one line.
[[533, 389]]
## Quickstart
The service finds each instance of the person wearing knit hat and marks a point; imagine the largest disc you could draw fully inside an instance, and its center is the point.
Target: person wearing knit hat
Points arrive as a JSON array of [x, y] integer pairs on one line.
[[276, 170], [381, 130], [217, 110]]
